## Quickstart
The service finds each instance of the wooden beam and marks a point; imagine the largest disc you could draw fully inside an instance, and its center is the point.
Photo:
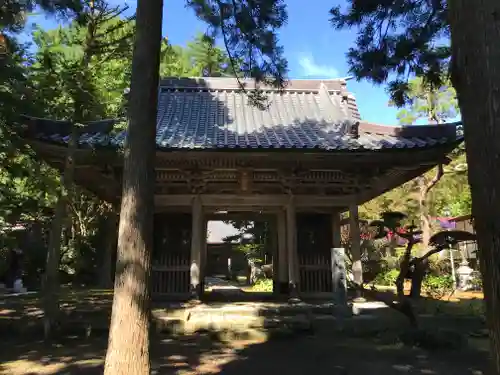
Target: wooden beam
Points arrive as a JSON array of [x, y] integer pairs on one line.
[[233, 202], [244, 215], [336, 159]]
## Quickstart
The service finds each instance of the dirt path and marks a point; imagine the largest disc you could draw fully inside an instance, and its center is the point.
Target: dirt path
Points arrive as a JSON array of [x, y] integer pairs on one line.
[[313, 355]]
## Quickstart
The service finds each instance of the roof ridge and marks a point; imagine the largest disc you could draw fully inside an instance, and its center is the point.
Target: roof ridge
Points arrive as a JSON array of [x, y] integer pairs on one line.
[[231, 83]]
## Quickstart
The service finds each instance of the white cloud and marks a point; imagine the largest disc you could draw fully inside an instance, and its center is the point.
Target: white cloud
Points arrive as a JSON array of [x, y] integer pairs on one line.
[[311, 69]]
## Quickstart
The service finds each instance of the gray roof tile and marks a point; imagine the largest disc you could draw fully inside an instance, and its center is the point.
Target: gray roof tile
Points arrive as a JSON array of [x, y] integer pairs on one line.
[[214, 113]]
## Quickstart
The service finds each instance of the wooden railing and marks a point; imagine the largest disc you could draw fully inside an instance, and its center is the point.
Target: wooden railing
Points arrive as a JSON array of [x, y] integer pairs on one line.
[[171, 274], [315, 273]]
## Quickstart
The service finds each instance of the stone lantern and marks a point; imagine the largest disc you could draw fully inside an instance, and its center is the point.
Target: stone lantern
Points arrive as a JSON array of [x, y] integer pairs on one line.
[[464, 275]]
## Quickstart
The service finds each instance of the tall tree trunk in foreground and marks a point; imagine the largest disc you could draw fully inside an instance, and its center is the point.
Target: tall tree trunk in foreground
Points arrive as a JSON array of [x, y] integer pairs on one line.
[[475, 36], [128, 346]]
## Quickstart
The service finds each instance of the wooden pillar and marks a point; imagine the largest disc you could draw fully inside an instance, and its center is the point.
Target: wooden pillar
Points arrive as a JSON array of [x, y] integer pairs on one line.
[[203, 251], [282, 266], [291, 234], [338, 270], [197, 242], [355, 237], [336, 235]]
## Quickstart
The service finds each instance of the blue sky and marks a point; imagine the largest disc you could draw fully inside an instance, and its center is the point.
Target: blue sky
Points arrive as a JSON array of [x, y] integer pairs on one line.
[[313, 48]]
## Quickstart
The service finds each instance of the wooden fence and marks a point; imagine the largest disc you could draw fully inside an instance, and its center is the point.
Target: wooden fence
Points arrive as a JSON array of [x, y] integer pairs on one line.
[[315, 272], [171, 274]]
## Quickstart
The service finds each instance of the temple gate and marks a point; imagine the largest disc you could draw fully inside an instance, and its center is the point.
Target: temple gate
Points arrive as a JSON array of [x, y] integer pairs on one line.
[[304, 158]]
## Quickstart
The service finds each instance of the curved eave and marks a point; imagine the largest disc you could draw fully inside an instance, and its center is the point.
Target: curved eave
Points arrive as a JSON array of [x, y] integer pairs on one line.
[[356, 136], [443, 143]]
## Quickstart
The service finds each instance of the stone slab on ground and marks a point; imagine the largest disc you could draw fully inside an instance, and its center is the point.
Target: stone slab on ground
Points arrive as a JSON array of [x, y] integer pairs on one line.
[[239, 317]]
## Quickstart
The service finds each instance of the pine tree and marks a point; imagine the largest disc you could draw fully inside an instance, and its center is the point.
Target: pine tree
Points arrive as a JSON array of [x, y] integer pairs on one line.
[[249, 33], [398, 38], [67, 58], [206, 57]]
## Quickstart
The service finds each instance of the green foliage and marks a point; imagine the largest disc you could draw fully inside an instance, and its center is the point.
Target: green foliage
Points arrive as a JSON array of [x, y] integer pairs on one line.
[[26, 187], [397, 40], [174, 62], [249, 33], [70, 76], [387, 278], [435, 105], [78, 72], [451, 194], [207, 58], [438, 286], [477, 281], [399, 199], [79, 82], [252, 251], [200, 58], [263, 285]]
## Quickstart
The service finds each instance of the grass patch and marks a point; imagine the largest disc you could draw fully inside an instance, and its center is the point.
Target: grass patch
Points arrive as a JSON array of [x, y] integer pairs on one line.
[[263, 285]]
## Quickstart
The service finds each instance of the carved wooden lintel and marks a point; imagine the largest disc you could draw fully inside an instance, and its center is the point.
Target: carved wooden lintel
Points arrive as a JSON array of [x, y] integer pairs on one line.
[[245, 180]]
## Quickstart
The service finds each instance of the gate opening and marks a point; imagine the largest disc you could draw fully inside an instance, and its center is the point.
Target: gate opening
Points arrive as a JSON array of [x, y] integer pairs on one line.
[[240, 254]]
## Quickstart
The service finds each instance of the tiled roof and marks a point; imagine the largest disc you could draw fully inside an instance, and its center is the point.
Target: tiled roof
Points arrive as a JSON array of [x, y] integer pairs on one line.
[[214, 113]]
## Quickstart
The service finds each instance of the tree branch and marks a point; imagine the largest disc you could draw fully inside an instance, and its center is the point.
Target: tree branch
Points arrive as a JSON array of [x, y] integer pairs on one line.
[[435, 179], [426, 255]]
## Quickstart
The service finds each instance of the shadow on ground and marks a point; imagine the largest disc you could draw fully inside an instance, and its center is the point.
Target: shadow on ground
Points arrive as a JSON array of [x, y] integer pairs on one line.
[[206, 354], [362, 346]]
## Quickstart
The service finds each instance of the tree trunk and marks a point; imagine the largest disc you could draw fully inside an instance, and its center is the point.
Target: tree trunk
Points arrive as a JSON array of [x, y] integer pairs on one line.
[[111, 229], [403, 271], [418, 278], [425, 220], [51, 282], [50, 295], [128, 346], [475, 35]]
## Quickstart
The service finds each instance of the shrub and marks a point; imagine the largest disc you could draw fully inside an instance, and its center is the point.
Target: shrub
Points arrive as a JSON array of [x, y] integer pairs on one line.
[[476, 281], [263, 285], [438, 286], [387, 278]]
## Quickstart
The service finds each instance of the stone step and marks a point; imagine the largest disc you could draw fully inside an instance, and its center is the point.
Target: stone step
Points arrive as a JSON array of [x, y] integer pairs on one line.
[[257, 316], [216, 322], [251, 309]]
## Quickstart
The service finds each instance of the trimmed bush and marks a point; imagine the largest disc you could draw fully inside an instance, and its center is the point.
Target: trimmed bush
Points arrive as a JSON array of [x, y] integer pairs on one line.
[[438, 287]]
